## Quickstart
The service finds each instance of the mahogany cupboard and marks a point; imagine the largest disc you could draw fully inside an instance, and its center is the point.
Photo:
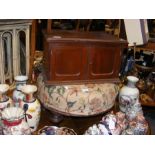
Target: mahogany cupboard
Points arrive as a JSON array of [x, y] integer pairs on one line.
[[77, 57]]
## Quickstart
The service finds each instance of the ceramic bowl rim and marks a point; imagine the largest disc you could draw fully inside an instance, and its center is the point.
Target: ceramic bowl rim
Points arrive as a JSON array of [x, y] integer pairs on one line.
[[4, 88], [21, 78], [132, 78], [29, 88]]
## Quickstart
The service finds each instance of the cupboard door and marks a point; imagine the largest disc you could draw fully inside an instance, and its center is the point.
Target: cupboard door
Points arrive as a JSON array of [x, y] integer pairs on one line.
[[104, 62], [68, 62]]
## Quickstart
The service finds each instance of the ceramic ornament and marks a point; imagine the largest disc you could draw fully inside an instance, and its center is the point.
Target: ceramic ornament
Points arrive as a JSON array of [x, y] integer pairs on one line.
[[5, 101], [31, 106], [14, 122], [128, 94], [18, 95]]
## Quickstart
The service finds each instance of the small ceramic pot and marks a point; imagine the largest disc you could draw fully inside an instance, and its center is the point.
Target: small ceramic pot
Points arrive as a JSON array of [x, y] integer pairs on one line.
[[31, 106], [18, 95], [14, 122], [128, 94]]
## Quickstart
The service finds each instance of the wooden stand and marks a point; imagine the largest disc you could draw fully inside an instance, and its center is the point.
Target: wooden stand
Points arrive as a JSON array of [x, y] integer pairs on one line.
[[10, 29], [55, 117]]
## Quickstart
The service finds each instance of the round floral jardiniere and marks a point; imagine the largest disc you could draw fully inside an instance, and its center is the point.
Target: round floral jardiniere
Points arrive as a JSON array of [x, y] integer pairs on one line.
[[77, 100]]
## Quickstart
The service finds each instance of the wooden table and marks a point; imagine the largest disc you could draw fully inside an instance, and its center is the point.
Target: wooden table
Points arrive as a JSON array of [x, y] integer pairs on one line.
[[78, 124]]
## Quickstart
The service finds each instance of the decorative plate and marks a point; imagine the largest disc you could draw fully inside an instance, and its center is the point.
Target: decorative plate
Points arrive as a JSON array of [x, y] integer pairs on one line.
[[54, 130]]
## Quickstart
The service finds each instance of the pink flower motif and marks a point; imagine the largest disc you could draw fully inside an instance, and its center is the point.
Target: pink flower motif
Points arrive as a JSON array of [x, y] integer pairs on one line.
[[95, 104]]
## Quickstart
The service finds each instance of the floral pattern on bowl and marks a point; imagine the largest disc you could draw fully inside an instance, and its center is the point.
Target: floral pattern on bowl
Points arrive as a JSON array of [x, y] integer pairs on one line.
[[54, 130], [77, 100]]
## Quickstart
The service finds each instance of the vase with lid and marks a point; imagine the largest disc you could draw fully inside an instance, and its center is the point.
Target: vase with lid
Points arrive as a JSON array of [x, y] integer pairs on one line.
[[13, 122], [18, 95], [31, 106], [129, 94]]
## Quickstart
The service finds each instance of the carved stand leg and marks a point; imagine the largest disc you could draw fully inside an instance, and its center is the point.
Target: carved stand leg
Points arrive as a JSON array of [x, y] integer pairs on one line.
[[15, 53], [2, 77], [27, 32], [55, 117], [7, 38]]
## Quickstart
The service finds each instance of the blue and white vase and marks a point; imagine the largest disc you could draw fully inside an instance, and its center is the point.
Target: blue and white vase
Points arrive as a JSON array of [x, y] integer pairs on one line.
[[129, 94], [18, 95]]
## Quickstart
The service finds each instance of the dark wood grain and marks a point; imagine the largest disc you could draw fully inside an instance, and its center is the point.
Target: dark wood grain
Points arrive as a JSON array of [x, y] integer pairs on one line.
[[73, 57]]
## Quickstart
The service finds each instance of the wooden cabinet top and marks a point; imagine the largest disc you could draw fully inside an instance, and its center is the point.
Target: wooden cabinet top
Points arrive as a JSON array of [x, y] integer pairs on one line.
[[81, 57], [58, 35]]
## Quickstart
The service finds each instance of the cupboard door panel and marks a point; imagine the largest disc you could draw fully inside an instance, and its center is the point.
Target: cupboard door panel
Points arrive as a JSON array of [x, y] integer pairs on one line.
[[69, 62], [103, 62], [82, 57]]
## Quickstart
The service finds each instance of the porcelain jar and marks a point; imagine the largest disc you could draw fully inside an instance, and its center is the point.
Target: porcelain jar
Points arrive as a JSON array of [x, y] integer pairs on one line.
[[13, 122], [129, 94], [18, 95], [5, 101], [31, 106]]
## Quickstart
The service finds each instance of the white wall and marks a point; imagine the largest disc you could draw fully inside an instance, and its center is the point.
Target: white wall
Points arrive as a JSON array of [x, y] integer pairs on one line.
[[136, 31]]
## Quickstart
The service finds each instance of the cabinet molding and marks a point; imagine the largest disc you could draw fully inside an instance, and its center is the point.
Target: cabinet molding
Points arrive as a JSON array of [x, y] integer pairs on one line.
[[77, 57]]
